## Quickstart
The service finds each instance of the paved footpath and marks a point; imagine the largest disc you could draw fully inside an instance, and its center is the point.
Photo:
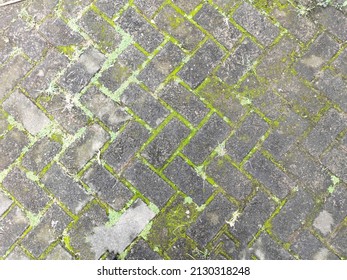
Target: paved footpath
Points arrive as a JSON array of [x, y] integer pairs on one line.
[[173, 129]]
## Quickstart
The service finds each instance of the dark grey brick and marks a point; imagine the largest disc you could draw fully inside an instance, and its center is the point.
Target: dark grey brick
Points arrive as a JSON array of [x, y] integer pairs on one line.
[[239, 62], [148, 7], [5, 48], [340, 63], [79, 74], [214, 216], [168, 140], [9, 14], [108, 111], [142, 32], [184, 102], [125, 145], [161, 66], [334, 88], [5, 203], [70, 8], [206, 139], [11, 146], [229, 178], [100, 31], [11, 227], [142, 251], [181, 250], [269, 175], [226, 5], [25, 191], [107, 187], [149, 183], [127, 62], [17, 254], [65, 188], [50, 227], [218, 25], [144, 105], [319, 53], [180, 28], [58, 253], [295, 210], [246, 137], [256, 24], [252, 218], [186, 178], [40, 9], [41, 154], [335, 160], [186, 6], [326, 130], [201, 65], [110, 7], [340, 241]]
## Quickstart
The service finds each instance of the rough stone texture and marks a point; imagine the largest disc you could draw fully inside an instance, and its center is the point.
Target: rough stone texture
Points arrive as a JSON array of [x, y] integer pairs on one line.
[[5, 203], [141, 251]]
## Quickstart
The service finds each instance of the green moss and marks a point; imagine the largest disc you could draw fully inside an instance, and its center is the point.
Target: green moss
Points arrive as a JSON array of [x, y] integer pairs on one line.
[[57, 138], [34, 220], [67, 50], [113, 217]]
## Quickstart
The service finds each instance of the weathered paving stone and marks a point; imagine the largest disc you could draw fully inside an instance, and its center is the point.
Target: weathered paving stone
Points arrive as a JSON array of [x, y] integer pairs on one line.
[[65, 188], [256, 24], [3, 123], [11, 227], [9, 14], [334, 88], [39, 79], [148, 183], [40, 9], [17, 254], [127, 62], [335, 160], [239, 62], [298, 25], [218, 25], [184, 102], [100, 31], [340, 241], [84, 148], [226, 5], [229, 178], [11, 146], [48, 230], [333, 212], [214, 216], [26, 112], [58, 33], [5, 203], [206, 140], [180, 28], [186, 178], [264, 248], [142, 251], [79, 74], [161, 66], [59, 253], [71, 8], [310, 248], [201, 64], [252, 218], [340, 63], [5, 48], [295, 210], [246, 137], [181, 250], [269, 175], [28, 193], [11, 73], [326, 130], [142, 32], [126, 144], [41, 154], [144, 105], [108, 111], [321, 50], [148, 7], [222, 98], [168, 140], [186, 6], [110, 7], [107, 187]]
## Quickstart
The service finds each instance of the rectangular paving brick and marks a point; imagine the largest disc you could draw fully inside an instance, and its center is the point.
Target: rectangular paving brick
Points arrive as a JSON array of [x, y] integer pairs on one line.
[[340, 63], [148, 183], [246, 137], [70, 8], [256, 24], [201, 64], [340, 241], [335, 160], [143, 33], [110, 7], [184, 102], [218, 25], [214, 216], [161, 66], [186, 6], [84, 148], [168, 140], [47, 231], [5, 203], [239, 62], [144, 105], [26, 112], [126, 144], [186, 178], [142, 251], [148, 7], [206, 139], [40, 9], [58, 253], [65, 188]]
